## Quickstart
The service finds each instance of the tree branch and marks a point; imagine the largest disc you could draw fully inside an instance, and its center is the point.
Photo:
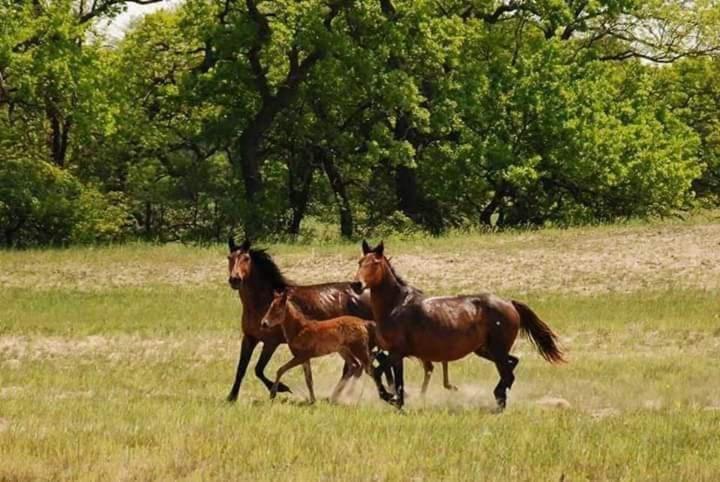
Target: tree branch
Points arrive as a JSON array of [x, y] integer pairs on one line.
[[99, 9]]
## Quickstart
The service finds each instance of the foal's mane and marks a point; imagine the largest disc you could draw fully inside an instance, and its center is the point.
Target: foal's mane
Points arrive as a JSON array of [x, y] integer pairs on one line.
[[270, 271]]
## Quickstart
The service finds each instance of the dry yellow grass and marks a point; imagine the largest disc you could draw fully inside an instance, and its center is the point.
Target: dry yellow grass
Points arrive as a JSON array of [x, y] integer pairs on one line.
[[590, 260]]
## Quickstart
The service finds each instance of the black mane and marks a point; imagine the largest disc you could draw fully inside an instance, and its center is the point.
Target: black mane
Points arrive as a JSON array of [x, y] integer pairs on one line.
[[265, 265], [399, 278]]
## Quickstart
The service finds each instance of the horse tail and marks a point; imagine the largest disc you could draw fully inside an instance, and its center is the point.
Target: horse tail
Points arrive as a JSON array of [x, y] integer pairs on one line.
[[539, 333]]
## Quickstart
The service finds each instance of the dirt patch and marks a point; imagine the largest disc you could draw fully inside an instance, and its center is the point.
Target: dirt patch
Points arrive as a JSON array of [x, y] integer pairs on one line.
[[10, 392], [554, 402], [602, 413], [15, 349], [576, 261]]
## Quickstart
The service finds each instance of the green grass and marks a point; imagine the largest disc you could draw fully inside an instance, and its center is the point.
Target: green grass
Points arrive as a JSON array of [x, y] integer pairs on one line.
[[111, 369], [161, 310]]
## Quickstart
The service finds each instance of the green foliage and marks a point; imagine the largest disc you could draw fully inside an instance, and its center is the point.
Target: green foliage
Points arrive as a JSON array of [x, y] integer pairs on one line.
[[37, 202], [410, 115]]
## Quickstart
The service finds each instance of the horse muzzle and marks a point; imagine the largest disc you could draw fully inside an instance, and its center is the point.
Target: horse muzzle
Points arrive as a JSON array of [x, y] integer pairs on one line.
[[235, 283]]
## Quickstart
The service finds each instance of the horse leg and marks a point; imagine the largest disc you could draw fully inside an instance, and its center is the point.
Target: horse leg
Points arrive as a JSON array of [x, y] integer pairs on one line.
[[505, 364], [384, 365], [292, 363], [395, 360], [513, 363], [428, 366], [399, 399], [309, 380], [381, 356], [446, 378], [267, 352], [347, 373], [246, 350]]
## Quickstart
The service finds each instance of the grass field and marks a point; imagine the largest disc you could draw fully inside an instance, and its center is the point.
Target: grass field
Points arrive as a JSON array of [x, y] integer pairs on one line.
[[114, 364]]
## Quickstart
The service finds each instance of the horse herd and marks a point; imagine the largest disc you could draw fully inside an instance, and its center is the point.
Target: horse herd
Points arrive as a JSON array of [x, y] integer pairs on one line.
[[379, 316]]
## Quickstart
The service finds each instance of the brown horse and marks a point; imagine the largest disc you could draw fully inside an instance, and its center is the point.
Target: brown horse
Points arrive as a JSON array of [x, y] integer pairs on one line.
[[447, 328], [348, 336], [254, 274]]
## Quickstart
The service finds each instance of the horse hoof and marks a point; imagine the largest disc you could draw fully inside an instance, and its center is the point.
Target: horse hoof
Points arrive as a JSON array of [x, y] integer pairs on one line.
[[385, 396], [282, 388], [232, 397], [452, 388]]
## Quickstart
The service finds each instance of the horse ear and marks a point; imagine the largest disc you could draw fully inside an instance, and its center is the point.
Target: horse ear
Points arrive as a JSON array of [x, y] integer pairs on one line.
[[380, 249], [365, 247], [231, 244], [246, 245], [278, 292]]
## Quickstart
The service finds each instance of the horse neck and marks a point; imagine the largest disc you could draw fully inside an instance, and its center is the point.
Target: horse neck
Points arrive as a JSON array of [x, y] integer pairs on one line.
[[256, 295], [386, 296], [293, 323]]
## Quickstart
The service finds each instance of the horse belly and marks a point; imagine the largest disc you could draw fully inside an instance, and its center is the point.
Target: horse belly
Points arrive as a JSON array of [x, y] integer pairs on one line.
[[437, 348]]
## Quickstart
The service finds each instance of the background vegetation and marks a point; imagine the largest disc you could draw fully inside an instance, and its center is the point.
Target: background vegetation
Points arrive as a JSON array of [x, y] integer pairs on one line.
[[370, 115]]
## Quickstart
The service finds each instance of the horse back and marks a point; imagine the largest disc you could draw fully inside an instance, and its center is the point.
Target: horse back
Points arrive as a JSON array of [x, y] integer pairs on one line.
[[332, 300]]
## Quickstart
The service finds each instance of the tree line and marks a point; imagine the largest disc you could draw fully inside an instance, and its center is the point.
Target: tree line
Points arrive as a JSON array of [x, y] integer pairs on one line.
[[218, 115]]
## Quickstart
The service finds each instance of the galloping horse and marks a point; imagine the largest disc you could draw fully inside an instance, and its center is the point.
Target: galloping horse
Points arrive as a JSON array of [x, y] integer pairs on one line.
[[254, 274], [446, 328], [349, 336]]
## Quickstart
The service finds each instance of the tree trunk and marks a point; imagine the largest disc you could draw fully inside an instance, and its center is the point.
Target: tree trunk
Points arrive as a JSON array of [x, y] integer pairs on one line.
[[247, 166], [248, 158], [59, 132], [299, 181], [341, 196], [148, 219], [493, 205], [411, 201]]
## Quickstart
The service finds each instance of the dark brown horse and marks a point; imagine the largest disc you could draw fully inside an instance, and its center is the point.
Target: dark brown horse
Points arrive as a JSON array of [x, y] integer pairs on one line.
[[447, 328], [254, 274]]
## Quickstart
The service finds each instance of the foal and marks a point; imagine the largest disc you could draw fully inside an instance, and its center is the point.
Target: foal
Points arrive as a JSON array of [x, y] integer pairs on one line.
[[347, 335]]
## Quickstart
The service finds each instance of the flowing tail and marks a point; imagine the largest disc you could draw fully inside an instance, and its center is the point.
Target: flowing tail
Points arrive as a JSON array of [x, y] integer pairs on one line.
[[539, 333]]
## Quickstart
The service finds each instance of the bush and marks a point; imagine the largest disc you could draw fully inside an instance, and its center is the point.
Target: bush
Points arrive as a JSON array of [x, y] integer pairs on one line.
[[41, 204]]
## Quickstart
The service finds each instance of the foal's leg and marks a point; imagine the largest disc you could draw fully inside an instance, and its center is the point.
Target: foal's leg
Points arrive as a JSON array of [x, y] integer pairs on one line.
[[446, 378], [309, 380], [267, 352], [350, 363], [246, 350], [428, 366], [292, 363]]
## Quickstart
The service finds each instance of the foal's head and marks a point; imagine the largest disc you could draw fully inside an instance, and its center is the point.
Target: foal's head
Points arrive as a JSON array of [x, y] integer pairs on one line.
[[372, 266], [238, 263], [278, 309]]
